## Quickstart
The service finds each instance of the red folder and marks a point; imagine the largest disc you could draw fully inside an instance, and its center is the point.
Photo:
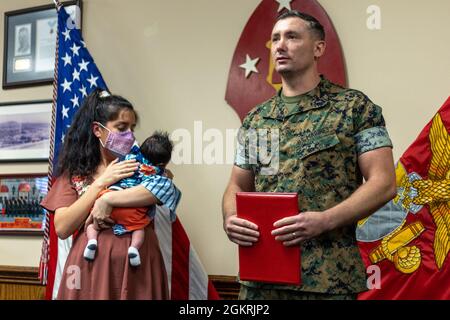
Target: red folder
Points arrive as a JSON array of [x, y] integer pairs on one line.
[[268, 260]]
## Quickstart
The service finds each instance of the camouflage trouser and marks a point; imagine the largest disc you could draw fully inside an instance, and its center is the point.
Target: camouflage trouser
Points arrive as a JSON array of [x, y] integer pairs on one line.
[[249, 293]]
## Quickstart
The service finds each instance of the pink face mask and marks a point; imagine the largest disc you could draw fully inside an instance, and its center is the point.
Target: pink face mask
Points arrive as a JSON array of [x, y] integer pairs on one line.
[[119, 143]]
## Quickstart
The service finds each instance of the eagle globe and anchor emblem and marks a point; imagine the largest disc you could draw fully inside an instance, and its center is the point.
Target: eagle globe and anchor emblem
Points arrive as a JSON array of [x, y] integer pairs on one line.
[[413, 192]]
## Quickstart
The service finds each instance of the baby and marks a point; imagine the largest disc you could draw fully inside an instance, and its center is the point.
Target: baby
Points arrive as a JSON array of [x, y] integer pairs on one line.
[[153, 156]]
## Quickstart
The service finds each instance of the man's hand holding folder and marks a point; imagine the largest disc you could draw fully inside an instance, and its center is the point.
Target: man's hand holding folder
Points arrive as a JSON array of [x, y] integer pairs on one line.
[[295, 229], [268, 259]]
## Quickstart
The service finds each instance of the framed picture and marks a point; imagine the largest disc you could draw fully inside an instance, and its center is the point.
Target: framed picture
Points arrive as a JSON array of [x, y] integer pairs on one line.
[[20, 196], [25, 131], [30, 44]]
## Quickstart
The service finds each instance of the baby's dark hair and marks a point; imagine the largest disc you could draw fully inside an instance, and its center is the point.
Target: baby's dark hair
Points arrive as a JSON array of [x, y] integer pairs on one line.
[[157, 148]]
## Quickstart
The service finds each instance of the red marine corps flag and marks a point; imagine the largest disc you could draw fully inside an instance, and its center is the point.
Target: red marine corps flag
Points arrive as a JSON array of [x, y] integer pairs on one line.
[[252, 78], [405, 244]]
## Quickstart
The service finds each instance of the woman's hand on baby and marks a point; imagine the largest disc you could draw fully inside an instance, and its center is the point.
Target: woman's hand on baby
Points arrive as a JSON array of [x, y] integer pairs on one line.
[[101, 215], [97, 225], [117, 171]]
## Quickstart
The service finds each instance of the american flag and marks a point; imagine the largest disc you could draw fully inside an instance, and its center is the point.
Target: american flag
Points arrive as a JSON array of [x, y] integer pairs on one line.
[[76, 75]]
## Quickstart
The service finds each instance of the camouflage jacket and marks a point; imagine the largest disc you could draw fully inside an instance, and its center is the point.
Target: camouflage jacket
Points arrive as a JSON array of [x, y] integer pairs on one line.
[[319, 141]]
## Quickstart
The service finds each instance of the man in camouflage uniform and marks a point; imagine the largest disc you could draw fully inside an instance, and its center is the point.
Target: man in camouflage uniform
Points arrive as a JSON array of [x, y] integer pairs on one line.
[[330, 138]]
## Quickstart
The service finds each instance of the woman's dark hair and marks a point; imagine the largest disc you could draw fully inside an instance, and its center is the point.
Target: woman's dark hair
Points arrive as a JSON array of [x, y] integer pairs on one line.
[[80, 155], [157, 148]]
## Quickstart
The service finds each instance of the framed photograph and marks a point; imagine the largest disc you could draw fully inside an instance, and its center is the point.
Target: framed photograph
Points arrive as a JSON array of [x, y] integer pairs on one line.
[[20, 212], [25, 131], [30, 44]]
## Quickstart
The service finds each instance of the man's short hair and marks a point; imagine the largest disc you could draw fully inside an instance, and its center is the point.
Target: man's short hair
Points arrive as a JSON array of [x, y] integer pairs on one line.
[[314, 25]]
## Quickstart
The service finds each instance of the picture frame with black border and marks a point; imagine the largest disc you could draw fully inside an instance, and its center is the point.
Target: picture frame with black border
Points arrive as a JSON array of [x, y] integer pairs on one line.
[[20, 197], [25, 129], [30, 44]]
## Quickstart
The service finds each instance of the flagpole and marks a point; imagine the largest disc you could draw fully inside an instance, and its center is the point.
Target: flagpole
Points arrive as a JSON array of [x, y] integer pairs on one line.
[[43, 265], [55, 91], [57, 4]]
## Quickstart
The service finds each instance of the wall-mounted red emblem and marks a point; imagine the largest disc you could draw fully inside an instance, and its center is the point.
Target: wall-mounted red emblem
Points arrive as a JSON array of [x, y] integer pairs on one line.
[[252, 78]]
